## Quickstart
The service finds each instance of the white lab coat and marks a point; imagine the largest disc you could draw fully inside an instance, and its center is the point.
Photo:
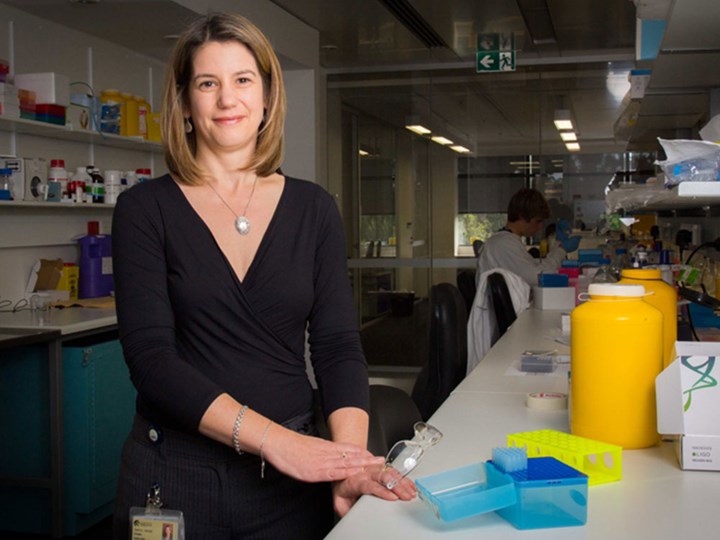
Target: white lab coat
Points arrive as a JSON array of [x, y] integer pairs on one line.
[[506, 250], [482, 325]]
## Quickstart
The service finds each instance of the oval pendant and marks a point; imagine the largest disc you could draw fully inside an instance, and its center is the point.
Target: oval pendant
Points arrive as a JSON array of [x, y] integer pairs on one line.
[[242, 225]]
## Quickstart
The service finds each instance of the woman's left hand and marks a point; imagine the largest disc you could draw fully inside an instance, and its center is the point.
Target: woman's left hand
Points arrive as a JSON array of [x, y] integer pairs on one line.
[[368, 482]]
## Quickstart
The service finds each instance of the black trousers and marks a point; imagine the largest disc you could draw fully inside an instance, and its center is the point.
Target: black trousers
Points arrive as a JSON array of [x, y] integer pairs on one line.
[[220, 493]]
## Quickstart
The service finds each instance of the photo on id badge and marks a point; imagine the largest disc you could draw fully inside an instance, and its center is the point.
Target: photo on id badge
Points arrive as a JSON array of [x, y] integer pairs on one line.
[[154, 528]]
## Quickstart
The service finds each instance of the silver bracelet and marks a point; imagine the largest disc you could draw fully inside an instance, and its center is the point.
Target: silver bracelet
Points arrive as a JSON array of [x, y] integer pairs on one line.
[[262, 443], [236, 429]]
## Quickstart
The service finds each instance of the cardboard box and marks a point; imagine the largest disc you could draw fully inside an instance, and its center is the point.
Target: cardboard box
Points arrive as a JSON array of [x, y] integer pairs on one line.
[[45, 275], [554, 297], [688, 399]]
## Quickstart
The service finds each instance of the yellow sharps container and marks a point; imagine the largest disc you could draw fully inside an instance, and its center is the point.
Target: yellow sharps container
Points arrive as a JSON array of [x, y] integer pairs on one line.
[[662, 296], [616, 352]]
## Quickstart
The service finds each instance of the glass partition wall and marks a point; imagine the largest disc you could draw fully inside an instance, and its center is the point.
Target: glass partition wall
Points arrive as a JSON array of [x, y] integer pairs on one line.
[[412, 206]]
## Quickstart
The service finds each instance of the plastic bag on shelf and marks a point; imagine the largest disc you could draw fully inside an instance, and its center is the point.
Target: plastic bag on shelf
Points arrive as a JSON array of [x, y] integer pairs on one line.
[[690, 160]]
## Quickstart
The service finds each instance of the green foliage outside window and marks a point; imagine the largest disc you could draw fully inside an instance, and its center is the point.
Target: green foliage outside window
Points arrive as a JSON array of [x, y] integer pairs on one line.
[[479, 226]]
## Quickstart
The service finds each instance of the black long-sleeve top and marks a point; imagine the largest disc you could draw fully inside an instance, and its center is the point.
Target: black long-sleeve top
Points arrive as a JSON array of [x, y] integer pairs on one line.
[[191, 330]]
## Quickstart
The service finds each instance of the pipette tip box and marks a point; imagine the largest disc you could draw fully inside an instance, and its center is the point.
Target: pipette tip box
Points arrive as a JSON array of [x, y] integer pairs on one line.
[[546, 494]]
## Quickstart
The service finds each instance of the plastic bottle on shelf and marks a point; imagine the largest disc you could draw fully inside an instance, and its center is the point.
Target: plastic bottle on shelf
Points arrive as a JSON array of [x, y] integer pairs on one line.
[[143, 115], [130, 179], [129, 120], [619, 262], [97, 186], [143, 175], [6, 185], [57, 173], [603, 275], [79, 182], [110, 105]]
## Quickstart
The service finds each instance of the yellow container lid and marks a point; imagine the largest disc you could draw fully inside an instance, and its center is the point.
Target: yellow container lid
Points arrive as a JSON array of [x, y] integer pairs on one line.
[[641, 273]]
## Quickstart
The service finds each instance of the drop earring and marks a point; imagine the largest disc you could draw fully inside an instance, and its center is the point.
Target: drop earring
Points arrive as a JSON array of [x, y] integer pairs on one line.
[[188, 126]]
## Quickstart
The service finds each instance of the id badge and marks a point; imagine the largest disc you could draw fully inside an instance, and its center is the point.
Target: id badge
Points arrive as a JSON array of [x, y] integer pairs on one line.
[[152, 522], [156, 524]]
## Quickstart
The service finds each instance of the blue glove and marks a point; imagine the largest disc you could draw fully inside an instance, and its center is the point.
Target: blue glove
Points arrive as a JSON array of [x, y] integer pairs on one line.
[[570, 244], [562, 230]]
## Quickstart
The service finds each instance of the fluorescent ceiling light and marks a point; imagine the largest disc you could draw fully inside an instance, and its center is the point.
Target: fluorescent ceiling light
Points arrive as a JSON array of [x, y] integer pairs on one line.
[[459, 149], [562, 120], [441, 140], [568, 136], [417, 128], [533, 163], [363, 153], [572, 146]]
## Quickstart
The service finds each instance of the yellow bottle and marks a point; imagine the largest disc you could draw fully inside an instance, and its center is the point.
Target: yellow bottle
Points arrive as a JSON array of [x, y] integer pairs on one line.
[[663, 297], [144, 112], [154, 131], [110, 109], [615, 355], [131, 113]]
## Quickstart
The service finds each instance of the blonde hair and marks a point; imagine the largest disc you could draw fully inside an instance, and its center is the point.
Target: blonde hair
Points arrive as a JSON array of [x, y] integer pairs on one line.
[[180, 147]]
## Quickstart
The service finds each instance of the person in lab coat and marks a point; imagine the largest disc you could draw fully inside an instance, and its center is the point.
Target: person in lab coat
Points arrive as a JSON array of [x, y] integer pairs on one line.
[[526, 214]]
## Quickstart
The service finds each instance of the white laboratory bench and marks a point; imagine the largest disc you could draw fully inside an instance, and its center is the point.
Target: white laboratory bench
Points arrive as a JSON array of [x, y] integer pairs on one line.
[[654, 499], [68, 321]]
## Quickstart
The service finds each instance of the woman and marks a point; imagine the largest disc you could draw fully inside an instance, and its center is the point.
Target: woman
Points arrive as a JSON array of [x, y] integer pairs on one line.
[[220, 268]]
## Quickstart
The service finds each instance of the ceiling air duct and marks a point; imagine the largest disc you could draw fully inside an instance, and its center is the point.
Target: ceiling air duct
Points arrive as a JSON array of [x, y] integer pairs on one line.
[[537, 19], [413, 21]]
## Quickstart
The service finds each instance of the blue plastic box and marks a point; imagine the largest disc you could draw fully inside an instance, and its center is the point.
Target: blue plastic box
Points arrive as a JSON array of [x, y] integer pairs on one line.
[[546, 494], [553, 280], [589, 256]]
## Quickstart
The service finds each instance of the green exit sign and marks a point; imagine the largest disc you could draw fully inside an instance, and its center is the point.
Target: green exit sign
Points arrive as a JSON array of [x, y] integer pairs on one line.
[[491, 61]]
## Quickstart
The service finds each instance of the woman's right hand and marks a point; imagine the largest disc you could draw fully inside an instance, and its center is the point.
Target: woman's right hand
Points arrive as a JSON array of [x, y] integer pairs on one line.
[[312, 459]]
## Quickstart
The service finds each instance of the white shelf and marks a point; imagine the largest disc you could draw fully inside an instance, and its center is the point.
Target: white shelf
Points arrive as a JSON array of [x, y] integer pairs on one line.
[[67, 133], [55, 205], [655, 197]]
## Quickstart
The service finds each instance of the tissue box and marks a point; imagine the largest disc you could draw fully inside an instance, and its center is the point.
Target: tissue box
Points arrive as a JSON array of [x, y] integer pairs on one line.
[[546, 494], [688, 399], [554, 297]]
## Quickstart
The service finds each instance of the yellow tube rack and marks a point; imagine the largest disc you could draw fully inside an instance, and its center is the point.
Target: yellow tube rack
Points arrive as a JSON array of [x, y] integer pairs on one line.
[[602, 462]]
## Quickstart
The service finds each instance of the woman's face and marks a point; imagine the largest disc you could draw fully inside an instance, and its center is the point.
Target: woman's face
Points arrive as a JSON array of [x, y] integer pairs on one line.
[[226, 98]]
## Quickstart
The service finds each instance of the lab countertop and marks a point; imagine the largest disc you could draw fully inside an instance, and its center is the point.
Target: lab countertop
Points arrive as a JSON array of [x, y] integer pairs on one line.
[[654, 499], [67, 320]]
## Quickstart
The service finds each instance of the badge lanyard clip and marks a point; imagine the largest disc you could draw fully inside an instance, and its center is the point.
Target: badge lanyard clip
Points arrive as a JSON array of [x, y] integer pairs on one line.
[[152, 522]]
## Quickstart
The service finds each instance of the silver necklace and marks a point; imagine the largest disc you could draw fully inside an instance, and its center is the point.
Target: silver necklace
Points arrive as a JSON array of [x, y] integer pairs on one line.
[[242, 223]]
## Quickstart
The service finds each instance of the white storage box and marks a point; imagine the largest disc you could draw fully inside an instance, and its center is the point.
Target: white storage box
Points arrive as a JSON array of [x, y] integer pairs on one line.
[[48, 87], [554, 297], [688, 400]]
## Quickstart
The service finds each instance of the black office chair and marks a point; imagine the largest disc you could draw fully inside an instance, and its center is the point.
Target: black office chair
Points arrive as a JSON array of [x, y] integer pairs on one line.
[[446, 363], [467, 287], [501, 303], [393, 414]]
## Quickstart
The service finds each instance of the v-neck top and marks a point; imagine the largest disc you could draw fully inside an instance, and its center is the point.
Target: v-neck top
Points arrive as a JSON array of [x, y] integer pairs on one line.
[[191, 330]]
